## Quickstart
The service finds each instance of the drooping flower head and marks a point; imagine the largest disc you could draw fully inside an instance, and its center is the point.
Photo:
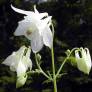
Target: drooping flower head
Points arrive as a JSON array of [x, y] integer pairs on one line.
[[36, 27], [83, 60], [19, 61]]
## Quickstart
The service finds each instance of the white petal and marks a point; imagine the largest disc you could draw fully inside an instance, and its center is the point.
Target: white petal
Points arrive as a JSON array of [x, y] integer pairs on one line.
[[22, 28], [9, 60], [13, 59], [26, 59], [32, 18], [42, 15], [47, 37], [27, 62], [35, 10], [46, 20], [22, 11], [36, 41], [82, 66], [20, 51], [33, 15], [88, 60], [21, 69]]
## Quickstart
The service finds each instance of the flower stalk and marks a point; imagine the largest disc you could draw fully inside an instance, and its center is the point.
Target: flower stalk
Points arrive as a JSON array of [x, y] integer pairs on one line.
[[41, 68], [59, 70], [53, 69], [53, 63]]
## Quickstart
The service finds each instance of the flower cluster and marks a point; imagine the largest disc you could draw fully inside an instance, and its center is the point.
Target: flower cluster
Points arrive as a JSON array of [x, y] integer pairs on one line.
[[35, 27]]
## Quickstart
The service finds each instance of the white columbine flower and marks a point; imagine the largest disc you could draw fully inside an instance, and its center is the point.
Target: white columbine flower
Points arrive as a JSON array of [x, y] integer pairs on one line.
[[36, 27], [83, 59], [19, 61]]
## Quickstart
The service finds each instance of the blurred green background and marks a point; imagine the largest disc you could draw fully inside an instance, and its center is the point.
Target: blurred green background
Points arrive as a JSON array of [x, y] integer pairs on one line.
[[73, 28]]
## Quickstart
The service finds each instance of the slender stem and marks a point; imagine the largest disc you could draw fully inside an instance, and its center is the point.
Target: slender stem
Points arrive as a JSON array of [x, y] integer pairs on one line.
[[61, 66], [58, 72], [41, 68], [53, 63], [53, 68]]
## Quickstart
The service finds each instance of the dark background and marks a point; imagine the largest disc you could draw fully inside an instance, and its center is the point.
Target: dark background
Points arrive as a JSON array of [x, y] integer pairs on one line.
[[73, 28]]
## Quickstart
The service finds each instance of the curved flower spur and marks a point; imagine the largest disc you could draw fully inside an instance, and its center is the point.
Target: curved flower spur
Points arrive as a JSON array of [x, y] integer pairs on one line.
[[36, 27]]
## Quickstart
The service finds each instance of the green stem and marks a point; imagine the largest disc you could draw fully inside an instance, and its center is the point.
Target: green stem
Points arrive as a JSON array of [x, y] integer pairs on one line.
[[53, 68], [53, 63], [58, 72], [41, 69]]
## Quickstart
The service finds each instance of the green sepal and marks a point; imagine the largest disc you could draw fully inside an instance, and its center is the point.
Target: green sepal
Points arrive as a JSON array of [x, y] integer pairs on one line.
[[21, 80], [72, 61]]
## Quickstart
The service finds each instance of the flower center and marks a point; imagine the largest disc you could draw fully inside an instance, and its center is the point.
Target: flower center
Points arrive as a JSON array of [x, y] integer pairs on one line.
[[28, 32]]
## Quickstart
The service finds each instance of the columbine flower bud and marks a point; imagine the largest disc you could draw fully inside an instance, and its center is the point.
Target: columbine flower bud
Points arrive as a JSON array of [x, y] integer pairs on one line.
[[83, 60]]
